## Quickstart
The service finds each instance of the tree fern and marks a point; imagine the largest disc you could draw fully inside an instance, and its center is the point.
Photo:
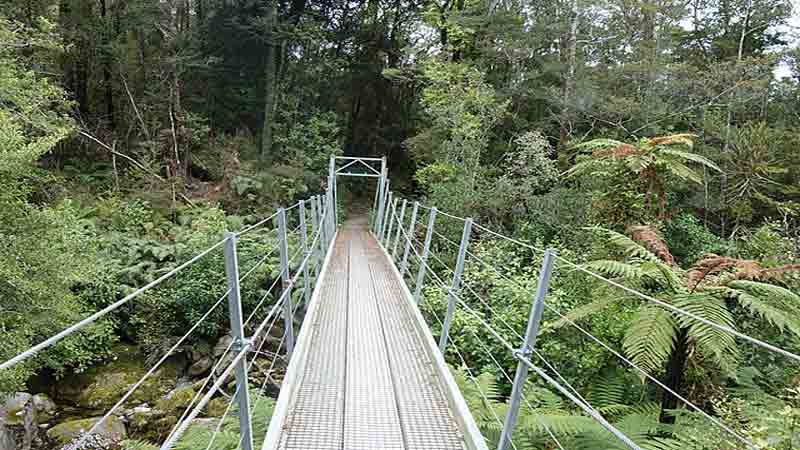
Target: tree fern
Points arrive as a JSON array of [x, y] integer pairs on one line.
[[717, 344], [777, 305], [650, 339], [615, 268]]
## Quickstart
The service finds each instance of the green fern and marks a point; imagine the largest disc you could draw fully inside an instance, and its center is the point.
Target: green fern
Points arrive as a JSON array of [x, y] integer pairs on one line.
[[199, 435], [650, 339], [717, 344], [777, 305], [133, 444]]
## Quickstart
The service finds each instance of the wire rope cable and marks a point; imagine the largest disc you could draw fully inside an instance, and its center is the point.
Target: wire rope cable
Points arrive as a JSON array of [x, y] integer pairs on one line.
[[726, 428], [77, 326]]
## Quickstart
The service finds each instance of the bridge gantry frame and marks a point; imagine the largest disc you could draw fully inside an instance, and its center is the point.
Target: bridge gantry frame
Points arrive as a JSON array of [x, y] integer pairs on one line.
[[365, 371]]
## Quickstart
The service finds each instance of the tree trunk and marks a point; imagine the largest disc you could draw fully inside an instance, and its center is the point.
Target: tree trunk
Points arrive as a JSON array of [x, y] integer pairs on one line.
[[674, 377], [569, 49], [270, 82], [107, 85]]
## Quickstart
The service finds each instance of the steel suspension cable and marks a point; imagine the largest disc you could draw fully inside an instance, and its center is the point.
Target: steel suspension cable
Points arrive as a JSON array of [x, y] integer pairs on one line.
[[644, 373], [470, 374], [585, 407], [474, 379], [152, 370], [216, 386], [233, 397], [575, 399], [506, 375], [265, 220], [539, 355], [257, 224], [94, 317], [683, 312], [742, 439], [649, 298], [183, 426]]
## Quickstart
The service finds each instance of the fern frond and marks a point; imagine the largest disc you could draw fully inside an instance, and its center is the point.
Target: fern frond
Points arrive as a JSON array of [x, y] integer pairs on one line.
[[615, 269], [607, 394], [580, 168], [686, 139], [598, 143], [652, 240], [775, 304], [133, 444], [693, 157], [650, 339], [560, 424], [711, 341], [624, 243], [684, 172], [584, 311]]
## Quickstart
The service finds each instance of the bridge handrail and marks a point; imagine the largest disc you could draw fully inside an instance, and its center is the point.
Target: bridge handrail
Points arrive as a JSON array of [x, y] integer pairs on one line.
[[636, 293], [183, 425], [99, 314], [574, 395], [607, 347]]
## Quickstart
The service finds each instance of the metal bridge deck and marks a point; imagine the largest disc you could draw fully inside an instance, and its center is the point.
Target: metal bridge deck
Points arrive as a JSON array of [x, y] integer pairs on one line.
[[366, 380]]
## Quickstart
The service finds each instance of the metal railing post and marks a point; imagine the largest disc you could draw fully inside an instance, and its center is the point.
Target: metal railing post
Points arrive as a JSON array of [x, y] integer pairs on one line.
[[387, 237], [304, 246], [331, 212], [288, 309], [399, 230], [531, 333], [384, 210], [426, 248], [239, 341], [373, 212], [410, 236], [323, 226], [387, 215], [333, 188], [314, 251], [382, 185], [451, 295]]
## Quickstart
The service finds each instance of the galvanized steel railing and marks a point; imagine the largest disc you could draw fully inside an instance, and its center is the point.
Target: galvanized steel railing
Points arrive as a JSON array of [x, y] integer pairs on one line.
[[422, 252]]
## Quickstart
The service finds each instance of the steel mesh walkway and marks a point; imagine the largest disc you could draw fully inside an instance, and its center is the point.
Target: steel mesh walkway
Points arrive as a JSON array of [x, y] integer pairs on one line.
[[367, 381]]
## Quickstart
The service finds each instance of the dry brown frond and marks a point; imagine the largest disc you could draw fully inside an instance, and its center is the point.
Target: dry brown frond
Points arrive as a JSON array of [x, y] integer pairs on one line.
[[710, 264], [652, 241], [683, 138], [620, 151], [776, 273]]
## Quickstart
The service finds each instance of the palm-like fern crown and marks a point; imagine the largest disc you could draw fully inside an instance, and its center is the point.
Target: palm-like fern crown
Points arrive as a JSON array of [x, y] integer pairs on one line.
[[703, 290], [646, 157]]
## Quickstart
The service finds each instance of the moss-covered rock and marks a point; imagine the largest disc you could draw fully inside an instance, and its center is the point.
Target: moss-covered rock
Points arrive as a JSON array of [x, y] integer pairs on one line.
[[179, 398], [111, 429], [217, 406], [102, 386]]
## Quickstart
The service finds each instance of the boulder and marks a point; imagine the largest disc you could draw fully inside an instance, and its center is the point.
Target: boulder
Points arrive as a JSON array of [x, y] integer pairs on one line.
[[100, 387], [222, 345], [45, 408], [18, 422], [177, 399], [201, 366], [112, 430], [13, 407], [8, 438]]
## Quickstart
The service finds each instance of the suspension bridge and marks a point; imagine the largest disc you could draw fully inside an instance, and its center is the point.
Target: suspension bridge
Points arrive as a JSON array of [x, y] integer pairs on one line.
[[365, 370]]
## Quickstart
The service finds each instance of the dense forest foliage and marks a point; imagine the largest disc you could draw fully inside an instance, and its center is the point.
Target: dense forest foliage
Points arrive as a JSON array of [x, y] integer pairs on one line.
[[656, 142]]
